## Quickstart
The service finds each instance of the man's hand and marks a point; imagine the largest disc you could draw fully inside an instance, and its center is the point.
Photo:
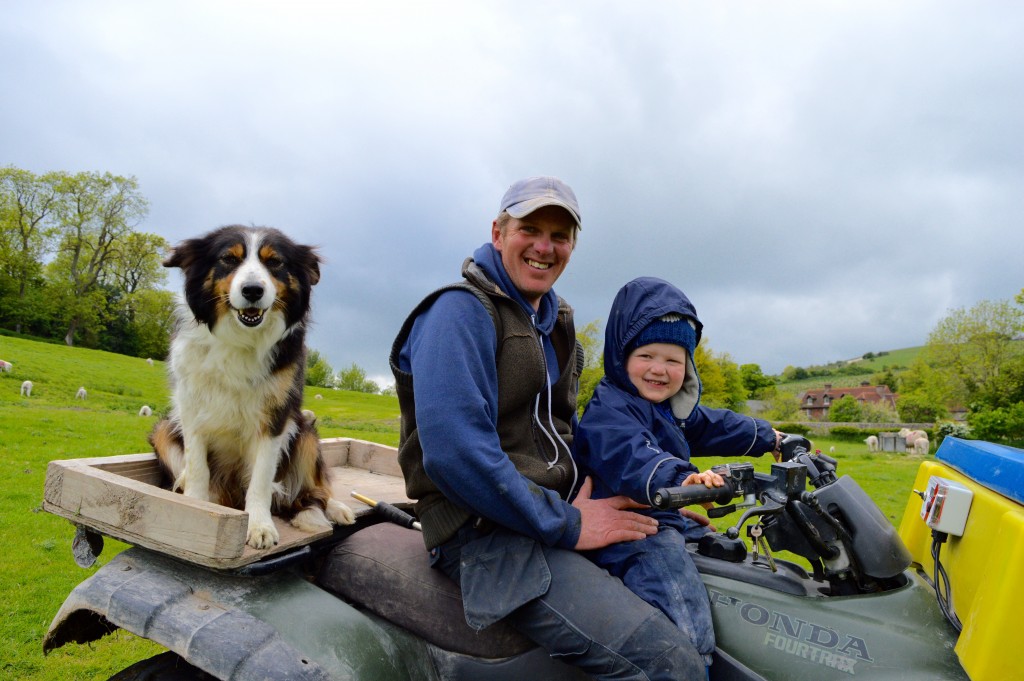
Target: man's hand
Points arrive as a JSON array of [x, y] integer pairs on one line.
[[698, 518], [603, 522]]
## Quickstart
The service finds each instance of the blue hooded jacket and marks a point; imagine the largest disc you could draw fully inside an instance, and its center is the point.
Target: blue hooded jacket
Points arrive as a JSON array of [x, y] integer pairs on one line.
[[633, 447], [457, 406]]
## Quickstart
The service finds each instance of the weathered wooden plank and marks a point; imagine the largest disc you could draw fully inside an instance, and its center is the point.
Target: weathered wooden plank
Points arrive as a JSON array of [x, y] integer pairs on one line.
[[374, 457], [120, 496], [378, 487], [335, 451], [137, 510]]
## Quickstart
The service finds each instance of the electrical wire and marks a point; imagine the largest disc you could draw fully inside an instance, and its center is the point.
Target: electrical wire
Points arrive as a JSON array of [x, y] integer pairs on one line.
[[940, 580]]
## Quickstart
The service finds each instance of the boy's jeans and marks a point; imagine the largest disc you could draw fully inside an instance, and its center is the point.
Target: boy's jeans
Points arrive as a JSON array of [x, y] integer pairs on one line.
[[659, 570], [567, 605]]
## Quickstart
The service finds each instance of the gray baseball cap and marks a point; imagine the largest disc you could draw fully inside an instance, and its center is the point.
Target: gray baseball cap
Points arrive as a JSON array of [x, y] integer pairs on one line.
[[526, 196]]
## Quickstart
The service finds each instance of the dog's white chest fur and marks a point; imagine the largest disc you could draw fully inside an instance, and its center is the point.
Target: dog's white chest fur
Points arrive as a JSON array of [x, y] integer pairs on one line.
[[221, 386]]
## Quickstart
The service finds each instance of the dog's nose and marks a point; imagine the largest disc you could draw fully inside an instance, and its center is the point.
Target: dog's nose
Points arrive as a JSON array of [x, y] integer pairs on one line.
[[252, 292]]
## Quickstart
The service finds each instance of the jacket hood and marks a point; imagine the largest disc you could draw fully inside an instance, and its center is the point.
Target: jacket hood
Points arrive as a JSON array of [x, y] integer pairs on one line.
[[636, 305], [488, 259]]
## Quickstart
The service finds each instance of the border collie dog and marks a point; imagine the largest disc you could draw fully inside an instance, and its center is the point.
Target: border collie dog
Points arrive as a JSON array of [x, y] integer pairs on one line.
[[236, 434]]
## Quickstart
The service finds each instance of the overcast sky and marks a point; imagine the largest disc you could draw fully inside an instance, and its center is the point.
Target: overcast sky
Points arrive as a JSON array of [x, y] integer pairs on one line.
[[823, 179]]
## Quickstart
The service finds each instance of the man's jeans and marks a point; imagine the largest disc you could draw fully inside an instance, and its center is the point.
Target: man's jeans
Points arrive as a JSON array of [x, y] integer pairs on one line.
[[572, 608]]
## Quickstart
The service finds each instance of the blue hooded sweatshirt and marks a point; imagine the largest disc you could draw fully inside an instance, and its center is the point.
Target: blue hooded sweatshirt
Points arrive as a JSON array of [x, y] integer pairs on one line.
[[457, 405], [633, 447]]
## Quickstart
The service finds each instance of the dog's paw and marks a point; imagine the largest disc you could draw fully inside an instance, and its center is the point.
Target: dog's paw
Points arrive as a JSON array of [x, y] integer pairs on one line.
[[262, 535], [193, 484], [311, 520], [339, 513]]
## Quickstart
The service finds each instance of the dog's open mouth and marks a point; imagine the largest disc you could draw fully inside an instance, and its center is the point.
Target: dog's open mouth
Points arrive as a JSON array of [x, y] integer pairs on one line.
[[250, 316]]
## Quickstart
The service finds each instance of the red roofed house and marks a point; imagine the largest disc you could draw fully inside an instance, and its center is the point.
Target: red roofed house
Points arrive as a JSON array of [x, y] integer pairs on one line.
[[816, 403]]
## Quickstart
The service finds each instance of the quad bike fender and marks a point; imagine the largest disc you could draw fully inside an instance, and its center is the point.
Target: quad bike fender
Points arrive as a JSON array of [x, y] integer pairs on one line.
[[276, 626]]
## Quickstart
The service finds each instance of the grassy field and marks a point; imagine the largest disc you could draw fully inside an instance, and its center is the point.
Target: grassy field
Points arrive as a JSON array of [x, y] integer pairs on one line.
[[37, 569]]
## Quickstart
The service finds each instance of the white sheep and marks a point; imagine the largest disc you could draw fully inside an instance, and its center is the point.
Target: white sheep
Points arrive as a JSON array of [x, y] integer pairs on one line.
[[911, 436], [149, 361], [831, 450], [81, 394], [26, 389], [6, 366], [318, 396], [872, 443], [921, 445], [309, 416], [145, 411]]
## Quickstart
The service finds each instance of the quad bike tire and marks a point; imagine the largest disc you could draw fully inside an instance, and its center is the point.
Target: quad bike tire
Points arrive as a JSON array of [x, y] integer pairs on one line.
[[163, 667]]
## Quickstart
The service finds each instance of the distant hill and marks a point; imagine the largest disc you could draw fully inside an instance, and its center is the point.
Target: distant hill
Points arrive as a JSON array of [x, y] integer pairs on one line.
[[851, 372]]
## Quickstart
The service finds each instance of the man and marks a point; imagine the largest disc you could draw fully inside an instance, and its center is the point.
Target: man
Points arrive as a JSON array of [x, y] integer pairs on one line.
[[486, 372]]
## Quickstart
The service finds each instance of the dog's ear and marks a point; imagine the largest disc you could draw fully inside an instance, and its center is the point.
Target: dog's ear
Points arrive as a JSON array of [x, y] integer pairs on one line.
[[312, 264], [182, 255]]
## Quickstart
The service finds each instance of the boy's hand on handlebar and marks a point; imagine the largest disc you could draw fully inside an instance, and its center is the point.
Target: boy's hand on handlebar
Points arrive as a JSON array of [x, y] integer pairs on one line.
[[604, 521], [708, 478], [777, 452]]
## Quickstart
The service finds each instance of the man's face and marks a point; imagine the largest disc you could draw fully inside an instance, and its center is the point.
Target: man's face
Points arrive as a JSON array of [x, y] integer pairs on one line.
[[657, 370], [535, 249]]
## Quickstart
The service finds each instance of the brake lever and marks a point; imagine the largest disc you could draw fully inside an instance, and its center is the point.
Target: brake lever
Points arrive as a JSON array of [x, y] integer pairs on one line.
[[768, 507]]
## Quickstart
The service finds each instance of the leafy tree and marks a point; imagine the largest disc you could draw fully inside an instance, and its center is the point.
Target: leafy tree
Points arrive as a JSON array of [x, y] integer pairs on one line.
[[27, 202], [969, 351], [878, 412], [755, 382], [845, 410], [721, 379], [593, 363], [1002, 423], [153, 321], [780, 406], [354, 379], [791, 373], [95, 214], [886, 378], [319, 371], [916, 408], [138, 263]]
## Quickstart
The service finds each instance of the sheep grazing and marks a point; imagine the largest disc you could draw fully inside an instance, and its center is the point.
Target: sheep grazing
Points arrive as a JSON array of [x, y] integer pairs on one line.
[[6, 366], [81, 394], [309, 416], [318, 396], [921, 445], [872, 443], [149, 361], [145, 411], [26, 389], [912, 436]]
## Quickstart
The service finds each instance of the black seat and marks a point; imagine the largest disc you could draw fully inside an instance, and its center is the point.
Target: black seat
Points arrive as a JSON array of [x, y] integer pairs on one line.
[[384, 569]]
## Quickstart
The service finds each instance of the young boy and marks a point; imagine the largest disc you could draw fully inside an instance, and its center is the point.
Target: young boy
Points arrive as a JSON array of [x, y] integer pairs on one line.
[[638, 433]]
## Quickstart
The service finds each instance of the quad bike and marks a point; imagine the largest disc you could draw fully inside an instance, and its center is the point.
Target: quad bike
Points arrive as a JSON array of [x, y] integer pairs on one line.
[[938, 600]]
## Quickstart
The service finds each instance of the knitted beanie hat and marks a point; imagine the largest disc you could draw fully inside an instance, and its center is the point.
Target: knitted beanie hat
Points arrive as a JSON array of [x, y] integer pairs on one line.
[[671, 328]]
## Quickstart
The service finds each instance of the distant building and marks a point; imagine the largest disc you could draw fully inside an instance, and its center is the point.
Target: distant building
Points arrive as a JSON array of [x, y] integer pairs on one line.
[[815, 403]]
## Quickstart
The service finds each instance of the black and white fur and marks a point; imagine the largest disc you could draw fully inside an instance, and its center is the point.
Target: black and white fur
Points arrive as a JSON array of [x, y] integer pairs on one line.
[[236, 434]]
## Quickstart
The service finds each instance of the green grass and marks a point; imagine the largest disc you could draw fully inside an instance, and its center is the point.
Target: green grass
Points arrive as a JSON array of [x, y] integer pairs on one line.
[[36, 568]]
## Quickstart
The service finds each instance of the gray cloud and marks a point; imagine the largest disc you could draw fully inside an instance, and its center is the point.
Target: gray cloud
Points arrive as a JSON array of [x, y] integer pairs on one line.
[[823, 179]]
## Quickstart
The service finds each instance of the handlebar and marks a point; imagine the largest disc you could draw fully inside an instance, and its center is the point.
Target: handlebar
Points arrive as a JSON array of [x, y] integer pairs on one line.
[[686, 495]]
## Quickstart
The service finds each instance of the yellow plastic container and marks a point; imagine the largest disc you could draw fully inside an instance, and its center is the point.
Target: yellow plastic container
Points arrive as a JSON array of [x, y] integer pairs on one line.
[[985, 566]]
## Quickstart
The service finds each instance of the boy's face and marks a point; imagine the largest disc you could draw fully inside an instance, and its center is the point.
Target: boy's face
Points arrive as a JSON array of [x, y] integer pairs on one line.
[[657, 370]]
